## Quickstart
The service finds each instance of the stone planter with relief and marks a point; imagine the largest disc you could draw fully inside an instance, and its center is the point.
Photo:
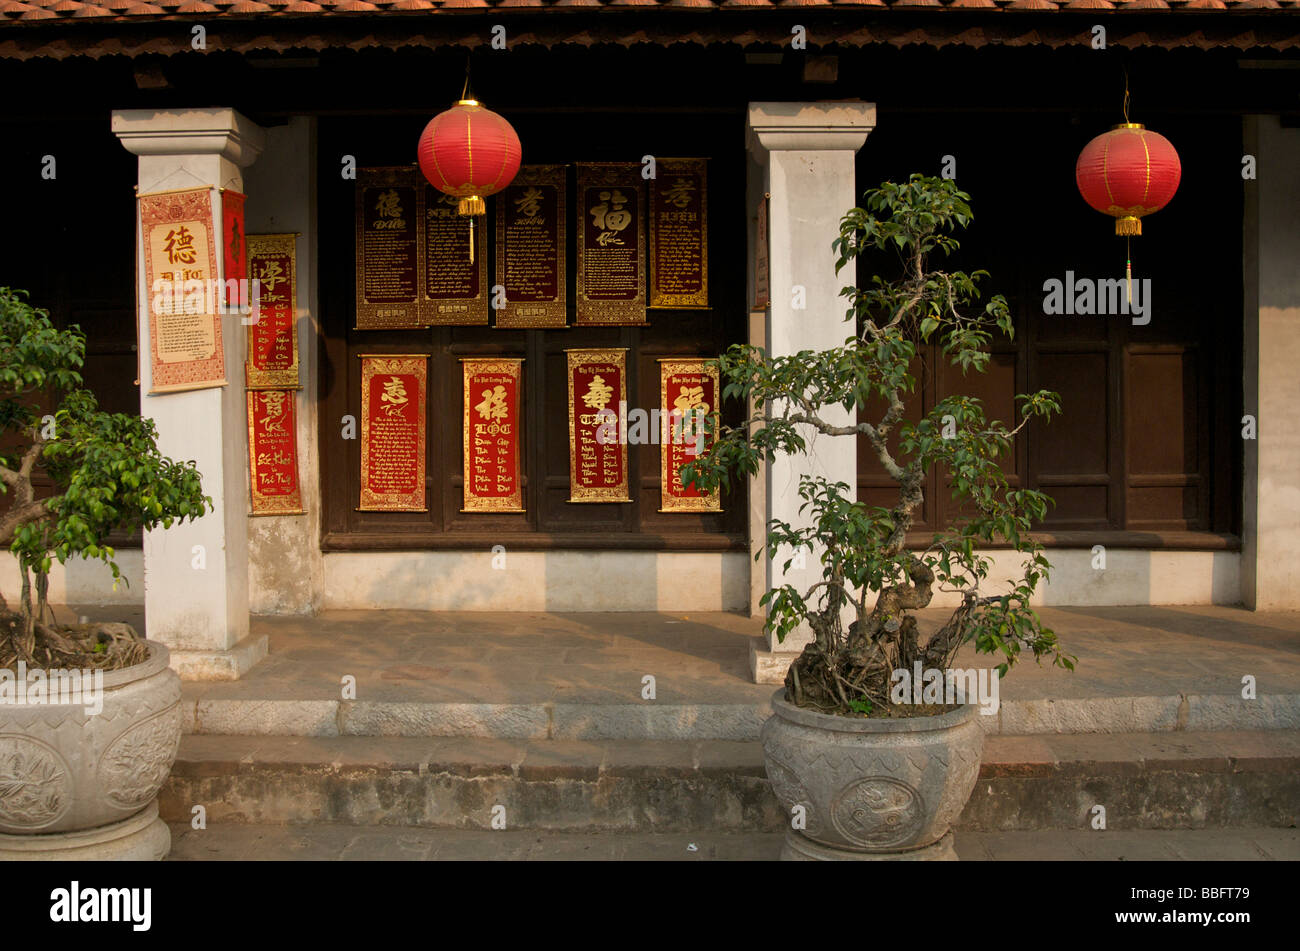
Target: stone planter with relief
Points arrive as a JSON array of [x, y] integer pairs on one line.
[[871, 788], [79, 786]]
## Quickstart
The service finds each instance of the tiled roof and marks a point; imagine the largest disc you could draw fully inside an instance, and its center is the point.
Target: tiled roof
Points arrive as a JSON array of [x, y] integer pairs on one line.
[[64, 29], [135, 10]]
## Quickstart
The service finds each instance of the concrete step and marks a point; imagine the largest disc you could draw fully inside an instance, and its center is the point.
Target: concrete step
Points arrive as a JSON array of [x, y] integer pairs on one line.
[[333, 841], [554, 720], [1177, 780]]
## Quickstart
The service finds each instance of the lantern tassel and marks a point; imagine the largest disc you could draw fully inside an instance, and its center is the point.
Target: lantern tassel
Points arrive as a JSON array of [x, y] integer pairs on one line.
[[471, 250], [1128, 268]]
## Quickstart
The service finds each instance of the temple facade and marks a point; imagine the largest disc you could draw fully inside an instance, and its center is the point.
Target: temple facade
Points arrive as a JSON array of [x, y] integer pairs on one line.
[[720, 143]]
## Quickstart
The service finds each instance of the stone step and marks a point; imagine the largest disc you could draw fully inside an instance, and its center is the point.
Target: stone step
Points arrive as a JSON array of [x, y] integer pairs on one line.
[[550, 720], [1175, 780], [335, 841]]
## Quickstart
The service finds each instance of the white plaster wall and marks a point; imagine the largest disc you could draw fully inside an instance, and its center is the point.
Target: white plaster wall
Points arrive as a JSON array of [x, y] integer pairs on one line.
[[82, 581], [1131, 576], [649, 581], [538, 581]]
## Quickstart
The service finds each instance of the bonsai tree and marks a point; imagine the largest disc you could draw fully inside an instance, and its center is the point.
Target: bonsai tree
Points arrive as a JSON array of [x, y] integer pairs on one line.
[[107, 475], [864, 548]]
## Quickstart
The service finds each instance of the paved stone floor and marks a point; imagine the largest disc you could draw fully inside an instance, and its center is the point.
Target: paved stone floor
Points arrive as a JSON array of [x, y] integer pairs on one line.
[[330, 842], [704, 658]]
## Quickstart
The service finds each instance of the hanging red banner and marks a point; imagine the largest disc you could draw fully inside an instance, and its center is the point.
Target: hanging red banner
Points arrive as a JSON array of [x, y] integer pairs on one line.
[[597, 407], [493, 478], [273, 339], [393, 388], [273, 453], [234, 248], [180, 275], [688, 395]]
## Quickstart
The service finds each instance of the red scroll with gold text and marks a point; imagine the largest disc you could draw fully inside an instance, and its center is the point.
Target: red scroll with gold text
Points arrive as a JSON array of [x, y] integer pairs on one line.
[[688, 395], [611, 244], [273, 453], [180, 278], [493, 481], [597, 450], [234, 248], [393, 388], [273, 339]]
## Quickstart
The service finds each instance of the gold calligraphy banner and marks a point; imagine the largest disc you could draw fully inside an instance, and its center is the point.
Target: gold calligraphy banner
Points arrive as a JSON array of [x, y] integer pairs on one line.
[[688, 395], [493, 417], [679, 234], [530, 251], [273, 339], [414, 263], [273, 453], [393, 388], [611, 245], [185, 298], [597, 447]]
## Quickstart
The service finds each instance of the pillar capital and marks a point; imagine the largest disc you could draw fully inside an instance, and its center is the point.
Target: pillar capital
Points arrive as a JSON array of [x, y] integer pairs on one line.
[[809, 126], [222, 131]]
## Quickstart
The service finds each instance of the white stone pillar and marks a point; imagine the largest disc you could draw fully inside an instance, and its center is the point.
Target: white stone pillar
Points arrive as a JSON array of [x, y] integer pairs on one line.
[[805, 154], [1270, 557], [201, 613]]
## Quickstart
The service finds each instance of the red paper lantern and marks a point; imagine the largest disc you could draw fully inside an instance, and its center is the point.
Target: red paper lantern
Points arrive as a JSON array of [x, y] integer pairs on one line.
[[469, 152], [1128, 172]]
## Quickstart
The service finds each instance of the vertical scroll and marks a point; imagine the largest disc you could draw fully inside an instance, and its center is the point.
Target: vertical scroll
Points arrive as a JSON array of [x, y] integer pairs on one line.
[[679, 234], [273, 339], [597, 401], [388, 249], [180, 274], [455, 288], [393, 388], [273, 453], [234, 250], [530, 251], [688, 395], [611, 245], [493, 418]]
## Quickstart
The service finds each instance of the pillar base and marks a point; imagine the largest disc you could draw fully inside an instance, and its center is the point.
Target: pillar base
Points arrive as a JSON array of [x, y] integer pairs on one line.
[[769, 666], [228, 664]]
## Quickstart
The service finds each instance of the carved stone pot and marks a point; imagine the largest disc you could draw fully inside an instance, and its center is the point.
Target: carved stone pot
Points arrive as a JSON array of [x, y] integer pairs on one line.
[[871, 788], [81, 785]]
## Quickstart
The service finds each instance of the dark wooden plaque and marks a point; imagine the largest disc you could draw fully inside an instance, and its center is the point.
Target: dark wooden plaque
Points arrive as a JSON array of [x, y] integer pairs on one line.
[[530, 258], [611, 245], [455, 288], [388, 249], [679, 228]]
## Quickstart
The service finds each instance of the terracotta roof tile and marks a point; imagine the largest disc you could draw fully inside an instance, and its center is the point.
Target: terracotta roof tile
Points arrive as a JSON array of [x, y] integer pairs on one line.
[[303, 6], [90, 10], [973, 4], [196, 6], [1089, 5], [38, 13], [142, 10], [1033, 5]]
